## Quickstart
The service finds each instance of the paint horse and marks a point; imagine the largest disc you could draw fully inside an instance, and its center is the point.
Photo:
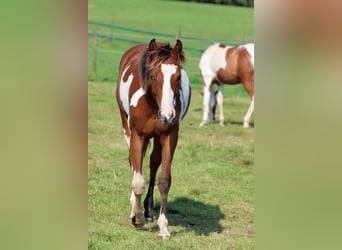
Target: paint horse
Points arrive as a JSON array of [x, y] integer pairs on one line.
[[221, 64], [153, 95]]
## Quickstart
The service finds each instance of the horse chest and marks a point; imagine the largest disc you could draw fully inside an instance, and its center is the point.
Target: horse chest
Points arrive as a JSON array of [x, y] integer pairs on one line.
[[149, 127]]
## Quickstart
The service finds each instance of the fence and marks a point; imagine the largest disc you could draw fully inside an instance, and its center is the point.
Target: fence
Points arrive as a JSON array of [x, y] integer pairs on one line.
[[107, 42]]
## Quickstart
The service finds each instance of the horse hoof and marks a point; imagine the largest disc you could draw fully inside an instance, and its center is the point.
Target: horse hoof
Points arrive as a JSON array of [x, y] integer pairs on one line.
[[203, 123], [245, 126], [134, 223], [164, 236], [148, 219]]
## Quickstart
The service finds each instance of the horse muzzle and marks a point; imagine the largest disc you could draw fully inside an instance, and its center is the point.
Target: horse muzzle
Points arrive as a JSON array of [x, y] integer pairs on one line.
[[167, 118]]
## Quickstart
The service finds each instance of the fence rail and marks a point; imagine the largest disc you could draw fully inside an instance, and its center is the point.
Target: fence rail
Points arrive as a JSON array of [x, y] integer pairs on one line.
[[107, 44], [151, 33]]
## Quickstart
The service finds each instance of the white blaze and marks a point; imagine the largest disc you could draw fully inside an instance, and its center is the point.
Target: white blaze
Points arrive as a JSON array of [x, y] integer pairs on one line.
[[167, 103]]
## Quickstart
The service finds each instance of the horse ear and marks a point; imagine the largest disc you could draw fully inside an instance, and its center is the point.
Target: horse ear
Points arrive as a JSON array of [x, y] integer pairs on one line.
[[152, 44], [179, 46]]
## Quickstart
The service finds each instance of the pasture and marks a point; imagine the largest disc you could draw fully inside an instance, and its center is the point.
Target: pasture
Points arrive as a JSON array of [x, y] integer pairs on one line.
[[211, 201]]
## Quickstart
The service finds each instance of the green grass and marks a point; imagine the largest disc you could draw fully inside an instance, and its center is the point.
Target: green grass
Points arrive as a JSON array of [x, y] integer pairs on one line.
[[211, 202], [202, 21]]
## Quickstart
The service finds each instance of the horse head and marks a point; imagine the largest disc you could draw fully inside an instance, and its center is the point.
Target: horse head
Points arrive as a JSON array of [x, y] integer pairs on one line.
[[161, 78]]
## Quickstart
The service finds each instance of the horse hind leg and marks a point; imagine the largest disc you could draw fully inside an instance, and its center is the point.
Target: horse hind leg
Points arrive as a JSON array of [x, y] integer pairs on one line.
[[207, 94], [155, 161], [248, 114], [212, 107], [220, 104]]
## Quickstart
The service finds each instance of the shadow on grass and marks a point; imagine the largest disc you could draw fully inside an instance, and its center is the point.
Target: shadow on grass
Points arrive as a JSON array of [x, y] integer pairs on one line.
[[193, 216], [229, 122], [251, 124]]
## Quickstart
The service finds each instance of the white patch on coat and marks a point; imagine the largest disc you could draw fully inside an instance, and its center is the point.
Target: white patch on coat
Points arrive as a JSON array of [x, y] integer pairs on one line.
[[209, 67], [167, 102], [136, 96], [124, 89], [250, 48]]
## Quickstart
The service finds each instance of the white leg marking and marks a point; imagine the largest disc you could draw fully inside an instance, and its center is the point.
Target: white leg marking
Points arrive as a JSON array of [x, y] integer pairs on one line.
[[220, 103], [135, 200], [138, 183], [167, 103], [132, 201], [206, 99], [162, 223], [249, 114]]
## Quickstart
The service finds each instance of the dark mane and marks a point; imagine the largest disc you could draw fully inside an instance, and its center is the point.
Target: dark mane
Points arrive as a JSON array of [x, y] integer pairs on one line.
[[153, 58]]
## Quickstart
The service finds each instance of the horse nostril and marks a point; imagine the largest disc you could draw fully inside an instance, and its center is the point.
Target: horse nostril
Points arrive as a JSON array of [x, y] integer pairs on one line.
[[173, 115], [166, 119], [163, 119]]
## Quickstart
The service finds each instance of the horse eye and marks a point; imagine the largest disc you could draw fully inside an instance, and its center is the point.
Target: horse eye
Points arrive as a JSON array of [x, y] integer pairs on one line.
[[153, 77]]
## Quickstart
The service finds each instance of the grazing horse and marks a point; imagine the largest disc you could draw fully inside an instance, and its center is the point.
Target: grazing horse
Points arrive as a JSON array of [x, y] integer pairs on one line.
[[221, 64], [153, 94]]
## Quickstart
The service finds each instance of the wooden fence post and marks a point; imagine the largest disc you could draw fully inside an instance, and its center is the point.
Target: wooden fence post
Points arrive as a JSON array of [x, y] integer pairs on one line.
[[178, 33], [94, 54]]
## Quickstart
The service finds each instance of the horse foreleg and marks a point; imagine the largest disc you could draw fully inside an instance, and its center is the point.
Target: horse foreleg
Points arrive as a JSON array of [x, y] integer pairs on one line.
[[155, 161], [220, 103], [164, 180], [164, 183], [248, 114], [138, 185], [207, 89]]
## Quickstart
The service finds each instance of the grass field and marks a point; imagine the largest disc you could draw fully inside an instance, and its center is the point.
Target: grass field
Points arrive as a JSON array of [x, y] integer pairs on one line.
[[211, 198], [211, 201]]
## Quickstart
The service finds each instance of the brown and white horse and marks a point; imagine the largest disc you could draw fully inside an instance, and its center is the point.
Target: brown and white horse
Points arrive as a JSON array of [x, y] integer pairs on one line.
[[153, 95], [221, 64]]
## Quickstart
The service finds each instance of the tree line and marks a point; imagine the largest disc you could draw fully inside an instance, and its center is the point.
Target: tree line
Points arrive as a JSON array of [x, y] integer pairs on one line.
[[247, 3]]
